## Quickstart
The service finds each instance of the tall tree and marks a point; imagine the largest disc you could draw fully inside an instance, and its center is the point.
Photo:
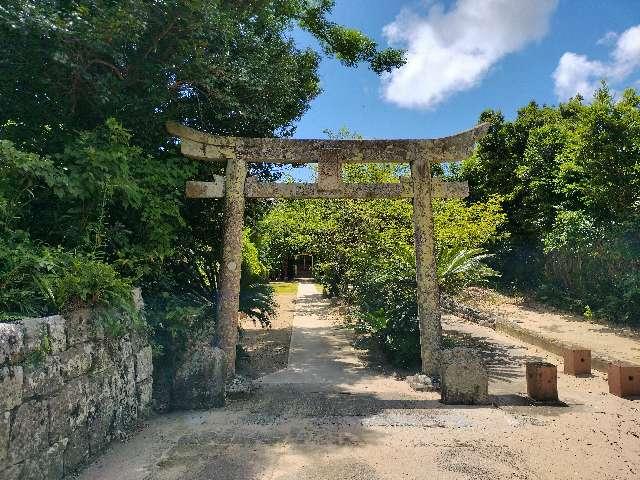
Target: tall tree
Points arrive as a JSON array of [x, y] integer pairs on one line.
[[224, 66], [570, 179], [87, 86]]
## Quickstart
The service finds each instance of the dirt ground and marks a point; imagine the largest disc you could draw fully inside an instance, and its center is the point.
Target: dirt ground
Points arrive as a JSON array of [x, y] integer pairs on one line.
[[608, 341], [267, 349], [329, 415]]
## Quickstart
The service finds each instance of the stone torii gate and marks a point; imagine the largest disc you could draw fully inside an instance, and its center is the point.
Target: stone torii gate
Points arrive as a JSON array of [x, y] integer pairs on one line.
[[330, 155]]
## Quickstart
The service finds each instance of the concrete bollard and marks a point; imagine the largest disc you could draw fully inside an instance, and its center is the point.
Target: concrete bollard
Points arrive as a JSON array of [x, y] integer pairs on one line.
[[542, 381], [577, 361], [624, 379]]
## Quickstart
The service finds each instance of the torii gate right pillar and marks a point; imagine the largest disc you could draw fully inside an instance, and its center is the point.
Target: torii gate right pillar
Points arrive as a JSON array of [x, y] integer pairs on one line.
[[428, 297]]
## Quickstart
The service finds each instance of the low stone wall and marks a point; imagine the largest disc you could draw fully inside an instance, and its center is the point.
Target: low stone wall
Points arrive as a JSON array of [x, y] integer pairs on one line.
[[455, 307], [66, 391]]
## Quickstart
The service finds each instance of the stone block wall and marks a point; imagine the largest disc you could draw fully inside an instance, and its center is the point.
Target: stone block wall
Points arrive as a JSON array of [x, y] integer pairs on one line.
[[66, 391]]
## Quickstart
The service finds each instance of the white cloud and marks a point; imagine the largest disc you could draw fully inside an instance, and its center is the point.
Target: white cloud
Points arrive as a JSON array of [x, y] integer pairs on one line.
[[609, 38], [577, 74], [451, 51], [626, 55]]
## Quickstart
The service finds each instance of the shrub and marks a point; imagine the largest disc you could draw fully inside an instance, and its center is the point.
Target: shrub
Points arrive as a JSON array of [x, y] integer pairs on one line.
[[570, 183], [39, 281], [363, 252], [86, 282], [22, 267], [459, 267], [386, 297], [594, 268]]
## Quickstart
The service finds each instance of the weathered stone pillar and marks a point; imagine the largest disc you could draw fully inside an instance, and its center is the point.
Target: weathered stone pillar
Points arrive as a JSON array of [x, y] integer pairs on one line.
[[427, 292], [229, 275]]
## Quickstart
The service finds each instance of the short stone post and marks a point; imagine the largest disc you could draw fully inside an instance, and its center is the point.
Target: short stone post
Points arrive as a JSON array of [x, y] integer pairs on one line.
[[199, 380], [427, 285], [577, 361], [463, 377], [230, 269], [542, 381], [624, 379]]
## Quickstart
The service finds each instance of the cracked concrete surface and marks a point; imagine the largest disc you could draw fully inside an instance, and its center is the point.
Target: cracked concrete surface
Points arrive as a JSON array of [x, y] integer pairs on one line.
[[330, 416]]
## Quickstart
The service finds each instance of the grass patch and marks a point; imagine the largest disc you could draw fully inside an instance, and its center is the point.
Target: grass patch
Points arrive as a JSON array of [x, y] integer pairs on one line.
[[285, 287]]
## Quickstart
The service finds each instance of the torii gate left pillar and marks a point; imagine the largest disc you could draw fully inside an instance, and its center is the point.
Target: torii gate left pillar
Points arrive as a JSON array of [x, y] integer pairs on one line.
[[330, 155], [230, 269]]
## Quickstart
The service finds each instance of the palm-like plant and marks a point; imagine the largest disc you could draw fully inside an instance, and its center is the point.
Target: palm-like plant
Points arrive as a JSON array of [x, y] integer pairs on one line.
[[458, 267], [257, 301]]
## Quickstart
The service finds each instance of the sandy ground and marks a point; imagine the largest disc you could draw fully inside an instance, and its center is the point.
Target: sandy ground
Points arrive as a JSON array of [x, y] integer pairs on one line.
[[267, 348], [615, 343], [329, 415]]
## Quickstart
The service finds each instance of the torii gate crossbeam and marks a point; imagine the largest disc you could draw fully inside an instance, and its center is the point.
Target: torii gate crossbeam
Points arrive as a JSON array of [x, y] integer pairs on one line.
[[330, 155]]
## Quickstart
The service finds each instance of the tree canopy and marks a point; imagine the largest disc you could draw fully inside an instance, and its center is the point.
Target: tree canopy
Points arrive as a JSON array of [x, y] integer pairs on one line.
[[570, 179], [90, 176], [222, 66]]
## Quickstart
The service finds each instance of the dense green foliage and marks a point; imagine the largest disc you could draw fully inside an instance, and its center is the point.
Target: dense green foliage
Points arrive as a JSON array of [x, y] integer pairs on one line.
[[91, 186], [53, 221], [570, 177], [91, 191], [222, 66], [363, 252]]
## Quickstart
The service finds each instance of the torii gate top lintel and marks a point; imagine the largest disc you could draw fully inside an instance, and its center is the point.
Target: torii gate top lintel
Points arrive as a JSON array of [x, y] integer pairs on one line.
[[204, 146], [329, 155]]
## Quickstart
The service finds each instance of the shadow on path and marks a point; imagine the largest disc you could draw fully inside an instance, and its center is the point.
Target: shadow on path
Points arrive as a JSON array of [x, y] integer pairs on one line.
[[329, 415]]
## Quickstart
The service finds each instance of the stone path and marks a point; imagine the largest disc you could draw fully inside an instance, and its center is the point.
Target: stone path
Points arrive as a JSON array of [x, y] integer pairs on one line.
[[329, 416], [321, 355]]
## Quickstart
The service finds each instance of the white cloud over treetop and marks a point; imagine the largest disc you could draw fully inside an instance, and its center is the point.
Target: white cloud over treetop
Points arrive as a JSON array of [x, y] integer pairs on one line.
[[449, 51], [578, 74]]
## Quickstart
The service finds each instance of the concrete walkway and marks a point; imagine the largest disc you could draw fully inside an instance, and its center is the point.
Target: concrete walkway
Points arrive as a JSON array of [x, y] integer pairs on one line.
[[321, 355], [329, 415]]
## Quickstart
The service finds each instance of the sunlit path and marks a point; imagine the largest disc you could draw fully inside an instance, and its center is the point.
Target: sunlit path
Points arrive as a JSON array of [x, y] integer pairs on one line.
[[328, 415], [321, 353]]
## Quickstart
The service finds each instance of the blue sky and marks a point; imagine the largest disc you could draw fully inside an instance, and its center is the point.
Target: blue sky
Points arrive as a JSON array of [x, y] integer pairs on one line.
[[469, 55]]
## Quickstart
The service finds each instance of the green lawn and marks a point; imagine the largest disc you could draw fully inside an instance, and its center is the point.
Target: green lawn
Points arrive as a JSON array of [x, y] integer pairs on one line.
[[285, 287]]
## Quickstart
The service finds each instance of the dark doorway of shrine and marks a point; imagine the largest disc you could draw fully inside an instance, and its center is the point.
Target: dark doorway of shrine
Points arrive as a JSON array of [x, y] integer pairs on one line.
[[304, 265]]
